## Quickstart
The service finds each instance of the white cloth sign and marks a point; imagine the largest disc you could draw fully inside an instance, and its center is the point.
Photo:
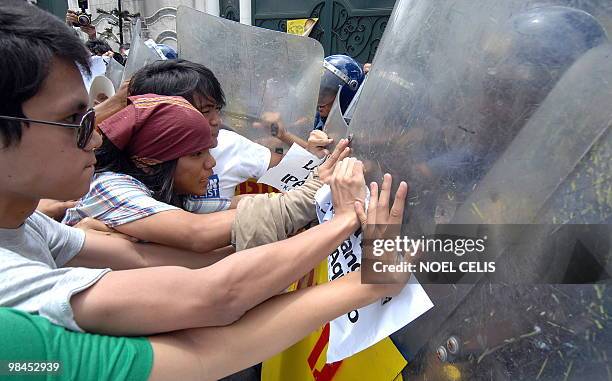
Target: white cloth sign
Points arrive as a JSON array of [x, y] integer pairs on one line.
[[362, 328], [292, 171]]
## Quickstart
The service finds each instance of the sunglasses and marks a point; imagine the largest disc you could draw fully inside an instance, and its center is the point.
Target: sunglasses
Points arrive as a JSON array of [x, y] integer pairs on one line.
[[84, 129]]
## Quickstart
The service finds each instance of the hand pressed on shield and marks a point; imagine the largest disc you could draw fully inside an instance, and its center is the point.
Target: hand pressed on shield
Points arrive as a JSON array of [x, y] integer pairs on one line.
[[347, 186], [341, 152], [380, 222]]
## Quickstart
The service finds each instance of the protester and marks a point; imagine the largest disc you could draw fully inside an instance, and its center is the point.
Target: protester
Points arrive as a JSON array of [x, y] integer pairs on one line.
[[47, 155], [237, 157]]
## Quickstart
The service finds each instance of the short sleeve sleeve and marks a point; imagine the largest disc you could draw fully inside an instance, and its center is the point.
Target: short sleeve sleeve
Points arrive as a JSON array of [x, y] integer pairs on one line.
[[34, 287], [116, 199], [64, 241]]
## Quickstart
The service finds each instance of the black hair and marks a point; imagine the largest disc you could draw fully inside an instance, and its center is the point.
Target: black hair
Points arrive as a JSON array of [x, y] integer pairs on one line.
[[158, 178], [29, 39], [98, 46], [177, 78]]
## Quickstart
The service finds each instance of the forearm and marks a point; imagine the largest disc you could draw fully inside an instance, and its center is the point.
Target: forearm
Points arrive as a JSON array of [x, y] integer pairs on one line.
[[188, 231], [289, 138], [150, 301], [264, 331], [254, 275], [107, 109], [100, 251]]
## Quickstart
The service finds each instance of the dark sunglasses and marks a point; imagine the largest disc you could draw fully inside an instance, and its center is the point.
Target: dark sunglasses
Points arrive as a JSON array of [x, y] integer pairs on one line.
[[84, 129]]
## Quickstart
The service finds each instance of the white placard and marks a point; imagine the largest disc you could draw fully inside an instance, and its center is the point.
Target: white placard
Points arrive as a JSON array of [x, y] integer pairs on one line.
[[360, 329], [293, 169]]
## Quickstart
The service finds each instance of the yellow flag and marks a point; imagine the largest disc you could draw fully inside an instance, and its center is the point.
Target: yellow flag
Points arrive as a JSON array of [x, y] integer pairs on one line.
[[305, 361], [301, 27]]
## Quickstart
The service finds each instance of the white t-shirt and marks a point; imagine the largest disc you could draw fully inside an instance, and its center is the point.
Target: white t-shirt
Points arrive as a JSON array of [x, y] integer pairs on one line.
[[238, 159], [32, 279]]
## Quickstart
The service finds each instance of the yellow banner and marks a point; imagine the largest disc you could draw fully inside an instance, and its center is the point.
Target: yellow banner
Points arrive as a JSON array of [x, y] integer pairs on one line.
[[305, 361]]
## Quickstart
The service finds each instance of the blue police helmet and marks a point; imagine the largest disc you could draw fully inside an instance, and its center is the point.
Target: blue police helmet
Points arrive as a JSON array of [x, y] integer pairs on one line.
[[341, 73]]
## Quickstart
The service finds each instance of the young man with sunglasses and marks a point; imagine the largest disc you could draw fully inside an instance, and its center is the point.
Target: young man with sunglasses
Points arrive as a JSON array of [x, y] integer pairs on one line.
[[47, 147]]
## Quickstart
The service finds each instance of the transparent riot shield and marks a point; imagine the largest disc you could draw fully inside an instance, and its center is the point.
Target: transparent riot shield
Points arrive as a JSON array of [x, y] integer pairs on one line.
[[497, 112], [114, 72], [350, 110], [335, 126], [140, 54], [266, 75]]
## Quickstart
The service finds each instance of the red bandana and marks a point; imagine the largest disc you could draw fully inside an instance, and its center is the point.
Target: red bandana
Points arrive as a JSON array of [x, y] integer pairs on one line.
[[153, 129]]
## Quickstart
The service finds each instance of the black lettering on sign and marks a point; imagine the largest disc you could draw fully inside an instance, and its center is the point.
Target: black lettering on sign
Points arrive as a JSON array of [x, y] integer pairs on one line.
[[309, 166], [352, 260], [299, 183], [386, 300], [289, 178], [346, 246], [353, 316], [336, 268], [349, 256]]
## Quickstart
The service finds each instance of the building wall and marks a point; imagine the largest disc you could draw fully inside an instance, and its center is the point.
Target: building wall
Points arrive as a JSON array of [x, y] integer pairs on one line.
[[352, 27], [159, 17]]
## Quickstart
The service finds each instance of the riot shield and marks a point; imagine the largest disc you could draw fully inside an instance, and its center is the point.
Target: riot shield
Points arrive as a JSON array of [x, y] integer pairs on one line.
[[350, 110], [507, 124], [140, 54], [335, 126], [265, 74], [114, 72]]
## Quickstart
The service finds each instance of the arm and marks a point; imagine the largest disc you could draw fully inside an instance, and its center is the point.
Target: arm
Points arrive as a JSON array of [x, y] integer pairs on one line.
[[236, 200], [280, 321], [100, 251], [275, 158], [54, 208], [274, 325], [214, 295], [71, 20], [317, 143], [189, 231], [113, 104], [221, 293]]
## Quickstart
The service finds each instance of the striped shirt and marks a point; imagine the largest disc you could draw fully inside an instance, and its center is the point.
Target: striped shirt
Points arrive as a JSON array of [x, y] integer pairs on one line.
[[116, 199]]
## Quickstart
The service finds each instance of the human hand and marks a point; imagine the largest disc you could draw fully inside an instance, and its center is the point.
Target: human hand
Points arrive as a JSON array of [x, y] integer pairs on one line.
[[341, 152], [72, 18], [317, 141], [347, 186], [54, 208], [380, 222], [273, 121]]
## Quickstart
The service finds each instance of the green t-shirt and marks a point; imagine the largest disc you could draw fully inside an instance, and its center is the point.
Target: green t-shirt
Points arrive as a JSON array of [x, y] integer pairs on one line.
[[26, 338]]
